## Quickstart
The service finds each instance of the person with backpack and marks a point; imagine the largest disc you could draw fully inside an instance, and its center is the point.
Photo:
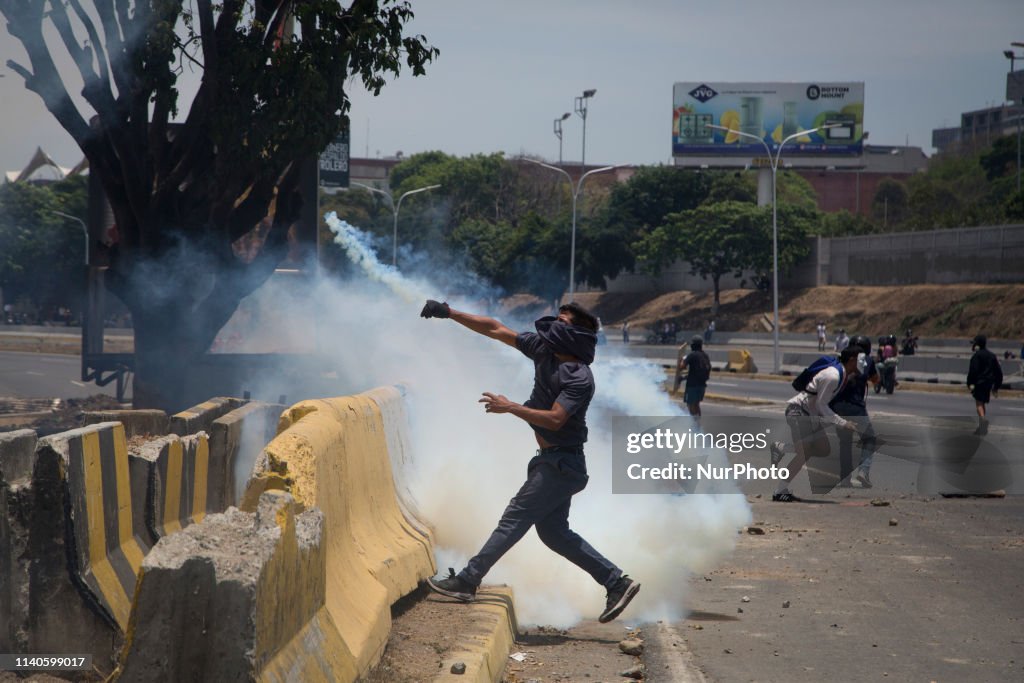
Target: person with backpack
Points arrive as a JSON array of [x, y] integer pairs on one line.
[[984, 377], [850, 402], [697, 366], [808, 414]]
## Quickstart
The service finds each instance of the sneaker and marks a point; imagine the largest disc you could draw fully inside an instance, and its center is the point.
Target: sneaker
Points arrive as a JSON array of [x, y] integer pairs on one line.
[[784, 497], [778, 449], [861, 477], [624, 590], [453, 587]]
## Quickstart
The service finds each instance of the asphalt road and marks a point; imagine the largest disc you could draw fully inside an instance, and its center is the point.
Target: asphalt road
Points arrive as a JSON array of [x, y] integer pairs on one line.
[[38, 375], [906, 400]]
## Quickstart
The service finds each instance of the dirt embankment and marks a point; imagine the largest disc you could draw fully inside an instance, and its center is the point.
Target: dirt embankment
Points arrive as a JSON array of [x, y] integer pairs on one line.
[[930, 310]]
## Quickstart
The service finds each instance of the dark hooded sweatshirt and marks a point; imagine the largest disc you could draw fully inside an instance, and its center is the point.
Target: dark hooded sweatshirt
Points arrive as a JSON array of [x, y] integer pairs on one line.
[[570, 384]]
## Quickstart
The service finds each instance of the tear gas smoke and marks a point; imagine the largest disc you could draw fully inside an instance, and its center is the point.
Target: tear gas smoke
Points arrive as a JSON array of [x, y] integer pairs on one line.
[[467, 464]]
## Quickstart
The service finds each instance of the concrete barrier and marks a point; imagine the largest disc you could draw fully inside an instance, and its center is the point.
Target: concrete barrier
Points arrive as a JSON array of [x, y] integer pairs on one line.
[[82, 549], [239, 597], [17, 457], [136, 422], [236, 439], [199, 418], [176, 470], [740, 360], [332, 454], [106, 554]]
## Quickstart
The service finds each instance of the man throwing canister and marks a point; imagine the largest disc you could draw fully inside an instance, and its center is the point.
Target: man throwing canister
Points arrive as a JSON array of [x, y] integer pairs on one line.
[[561, 349]]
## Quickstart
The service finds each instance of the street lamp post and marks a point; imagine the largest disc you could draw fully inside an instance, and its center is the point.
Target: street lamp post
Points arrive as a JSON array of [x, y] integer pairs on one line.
[[558, 134], [395, 206], [1009, 54], [575, 193], [581, 109], [774, 163], [85, 230]]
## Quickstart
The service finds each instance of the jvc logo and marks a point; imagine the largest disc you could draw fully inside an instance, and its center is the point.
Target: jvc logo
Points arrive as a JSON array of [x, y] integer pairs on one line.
[[702, 93]]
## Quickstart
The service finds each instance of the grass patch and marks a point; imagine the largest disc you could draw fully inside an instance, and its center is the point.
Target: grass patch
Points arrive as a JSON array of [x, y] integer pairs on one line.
[[911, 321], [951, 316]]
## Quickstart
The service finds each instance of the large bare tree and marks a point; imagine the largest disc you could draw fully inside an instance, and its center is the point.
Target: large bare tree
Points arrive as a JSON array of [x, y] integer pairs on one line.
[[272, 93]]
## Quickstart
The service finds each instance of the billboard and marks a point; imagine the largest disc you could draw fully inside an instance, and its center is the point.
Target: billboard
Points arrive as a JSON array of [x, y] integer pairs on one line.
[[770, 112]]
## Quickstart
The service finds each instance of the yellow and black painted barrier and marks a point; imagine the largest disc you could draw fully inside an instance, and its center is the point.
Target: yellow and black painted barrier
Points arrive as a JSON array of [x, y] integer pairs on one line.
[[333, 454], [177, 476], [107, 554]]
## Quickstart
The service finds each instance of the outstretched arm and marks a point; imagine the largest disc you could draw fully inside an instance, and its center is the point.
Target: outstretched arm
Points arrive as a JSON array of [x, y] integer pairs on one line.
[[488, 327], [546, 419]]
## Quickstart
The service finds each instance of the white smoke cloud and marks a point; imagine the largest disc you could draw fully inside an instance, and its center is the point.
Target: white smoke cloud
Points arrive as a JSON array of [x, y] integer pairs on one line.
[[468, 464]]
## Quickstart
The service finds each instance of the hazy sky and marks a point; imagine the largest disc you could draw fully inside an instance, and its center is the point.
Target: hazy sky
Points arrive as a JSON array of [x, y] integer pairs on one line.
[[508, 69]]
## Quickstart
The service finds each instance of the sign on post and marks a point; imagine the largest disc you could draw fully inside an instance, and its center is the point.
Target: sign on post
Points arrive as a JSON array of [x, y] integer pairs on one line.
[[334, 162]]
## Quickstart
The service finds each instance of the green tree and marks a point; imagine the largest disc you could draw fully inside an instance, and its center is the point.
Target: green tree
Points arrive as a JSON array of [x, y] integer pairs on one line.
[[842, 223], [795, 223], [182, 194], [715, 239], [41, 253], [732, 186], [891, 203], [1001, 159], [953, 193], [633, 210]]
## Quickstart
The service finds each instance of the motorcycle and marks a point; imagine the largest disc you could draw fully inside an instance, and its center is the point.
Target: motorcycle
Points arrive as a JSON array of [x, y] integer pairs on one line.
[[887, 375], [886, 363]]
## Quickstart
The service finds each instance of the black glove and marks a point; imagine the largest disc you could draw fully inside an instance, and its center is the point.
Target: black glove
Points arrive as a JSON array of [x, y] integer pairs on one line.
[[435, 309]]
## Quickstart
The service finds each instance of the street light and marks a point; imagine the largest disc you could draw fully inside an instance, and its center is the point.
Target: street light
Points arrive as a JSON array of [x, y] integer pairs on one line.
[[575, 193], [395, 207], [581, 109], [558, 134], [774, 162], [1009, 54], [85, 230]]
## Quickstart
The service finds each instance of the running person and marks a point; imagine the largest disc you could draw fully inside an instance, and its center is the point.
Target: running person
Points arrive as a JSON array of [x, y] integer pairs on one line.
[[561, 349]]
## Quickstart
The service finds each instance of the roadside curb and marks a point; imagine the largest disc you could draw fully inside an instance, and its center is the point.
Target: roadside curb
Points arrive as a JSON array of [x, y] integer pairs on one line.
[[486, 645]]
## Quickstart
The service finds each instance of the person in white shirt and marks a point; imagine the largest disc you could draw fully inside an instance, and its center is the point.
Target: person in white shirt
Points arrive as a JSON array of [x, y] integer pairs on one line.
[[842, 340], [808, 414]]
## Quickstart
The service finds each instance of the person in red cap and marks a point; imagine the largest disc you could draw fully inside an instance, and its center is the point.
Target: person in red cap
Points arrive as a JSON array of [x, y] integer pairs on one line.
[[984, 377], [562, 350]]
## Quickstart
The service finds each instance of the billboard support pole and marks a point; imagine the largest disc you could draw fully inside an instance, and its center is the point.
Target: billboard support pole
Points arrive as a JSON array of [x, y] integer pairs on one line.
[[774, 163]]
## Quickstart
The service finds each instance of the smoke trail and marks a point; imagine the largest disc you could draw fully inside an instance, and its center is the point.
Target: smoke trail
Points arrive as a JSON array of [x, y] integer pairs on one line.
[[355, 242], [467, 464]]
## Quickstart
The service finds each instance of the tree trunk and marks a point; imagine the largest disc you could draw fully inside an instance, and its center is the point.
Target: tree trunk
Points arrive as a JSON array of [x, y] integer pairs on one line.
[[164, 359]]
